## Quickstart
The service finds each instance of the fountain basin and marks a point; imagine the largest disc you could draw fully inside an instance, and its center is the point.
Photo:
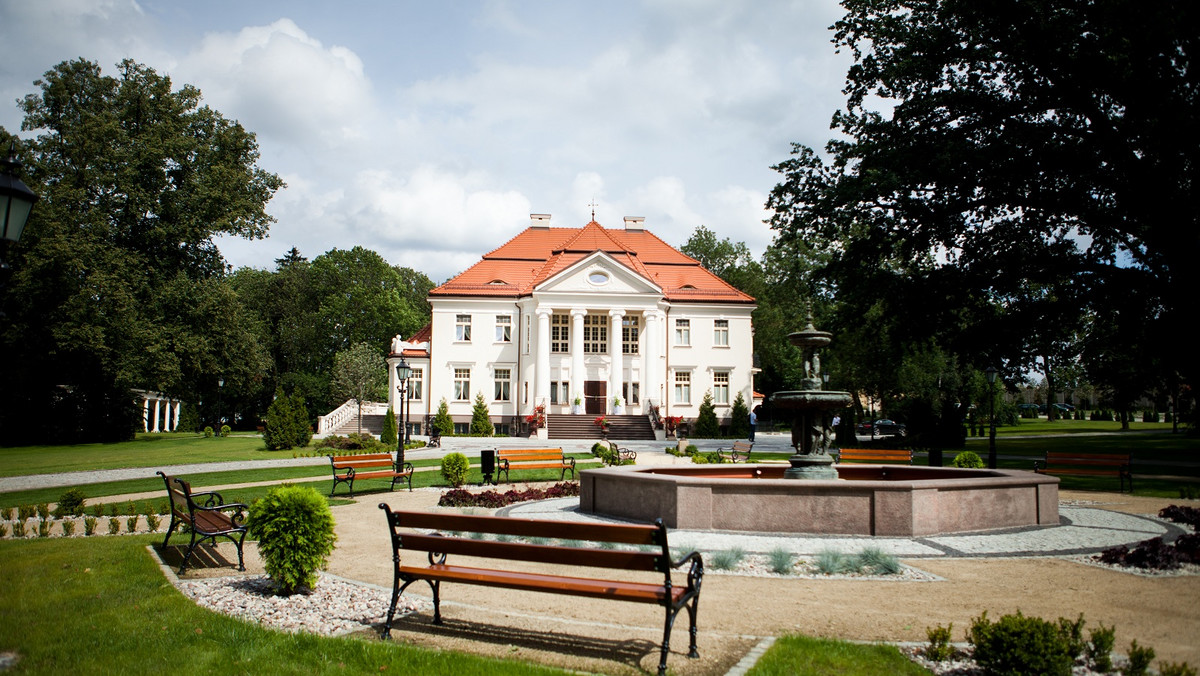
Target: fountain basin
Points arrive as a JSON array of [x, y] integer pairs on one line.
[[887, 500]]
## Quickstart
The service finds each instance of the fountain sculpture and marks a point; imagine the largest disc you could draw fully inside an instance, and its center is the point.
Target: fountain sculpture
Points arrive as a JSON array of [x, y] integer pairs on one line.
[[811, 408]]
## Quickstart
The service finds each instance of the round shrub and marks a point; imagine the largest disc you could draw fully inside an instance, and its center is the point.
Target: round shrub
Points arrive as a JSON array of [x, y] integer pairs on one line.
[[225, 430], [294, 529], [1020, 645], [208, 432], [70, 503], [968, 459], [454, 469]]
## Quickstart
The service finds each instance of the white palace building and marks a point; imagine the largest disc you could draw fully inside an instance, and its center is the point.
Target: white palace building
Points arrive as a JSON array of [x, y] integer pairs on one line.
[[586, 320]]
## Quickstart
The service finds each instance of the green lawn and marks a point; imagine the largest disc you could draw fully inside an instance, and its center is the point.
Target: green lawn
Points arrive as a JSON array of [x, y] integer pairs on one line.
[[100, 606], [147, 450], [1043, 426]]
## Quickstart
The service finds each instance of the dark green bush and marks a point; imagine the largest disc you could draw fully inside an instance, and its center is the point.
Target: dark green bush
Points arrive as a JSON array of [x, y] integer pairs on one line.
[[1100, 647], [967, 459], [353, 442], [739, 418], [1174, 669], [389, 436], [481, 422], [1139, 660], [70, 503], [286, 423], [294, 529], [706, 426], [455, 467], [1018, 645], [939, 648], [442, 421]]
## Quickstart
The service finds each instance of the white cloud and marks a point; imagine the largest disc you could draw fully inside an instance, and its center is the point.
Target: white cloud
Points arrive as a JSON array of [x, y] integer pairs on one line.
[[284, 84]]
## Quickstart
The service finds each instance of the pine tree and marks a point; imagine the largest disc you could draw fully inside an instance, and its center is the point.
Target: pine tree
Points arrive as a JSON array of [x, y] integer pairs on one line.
[[281, 430], [388, 435], [481, 423], [739, 422], [442, 421], [706, 423]]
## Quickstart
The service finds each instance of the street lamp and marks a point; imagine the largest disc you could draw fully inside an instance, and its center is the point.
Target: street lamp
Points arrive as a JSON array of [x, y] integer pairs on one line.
[[220, 417], [16, 201], [991, 378], [403, 371]]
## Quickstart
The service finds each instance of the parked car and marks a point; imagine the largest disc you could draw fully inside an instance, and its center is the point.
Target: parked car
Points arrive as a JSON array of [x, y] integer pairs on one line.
[[1028, 407], [889, 428], [1064, 407]]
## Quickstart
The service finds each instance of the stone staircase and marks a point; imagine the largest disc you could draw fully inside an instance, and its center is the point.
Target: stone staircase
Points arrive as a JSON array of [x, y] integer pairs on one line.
[[621, 427], [372, 423]]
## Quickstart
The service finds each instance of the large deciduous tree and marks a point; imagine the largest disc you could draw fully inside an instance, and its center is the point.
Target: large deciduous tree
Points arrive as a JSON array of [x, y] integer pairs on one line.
[[1005, 169], [118, 282]]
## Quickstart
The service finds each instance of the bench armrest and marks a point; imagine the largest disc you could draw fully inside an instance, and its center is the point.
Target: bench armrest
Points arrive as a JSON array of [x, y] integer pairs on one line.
[[1039, 465], [695, 570], [407, 468], [239, 514], [212, 499]]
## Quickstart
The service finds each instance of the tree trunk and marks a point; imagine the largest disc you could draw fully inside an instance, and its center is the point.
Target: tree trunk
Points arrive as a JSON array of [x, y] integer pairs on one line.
[[1051, 412]]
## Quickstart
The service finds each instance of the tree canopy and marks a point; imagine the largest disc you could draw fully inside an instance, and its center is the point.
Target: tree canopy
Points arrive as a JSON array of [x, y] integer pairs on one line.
[[1008, 177], [117, 278]]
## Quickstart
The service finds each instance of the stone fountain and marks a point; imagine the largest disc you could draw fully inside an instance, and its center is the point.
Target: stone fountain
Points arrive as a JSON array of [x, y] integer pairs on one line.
[[812, 409]]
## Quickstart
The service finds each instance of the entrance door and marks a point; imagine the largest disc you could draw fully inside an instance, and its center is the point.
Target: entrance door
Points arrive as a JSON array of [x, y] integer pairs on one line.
[[594, 394]]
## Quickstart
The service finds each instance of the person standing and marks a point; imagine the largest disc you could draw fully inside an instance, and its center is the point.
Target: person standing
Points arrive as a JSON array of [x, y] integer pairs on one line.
[[753, 423]]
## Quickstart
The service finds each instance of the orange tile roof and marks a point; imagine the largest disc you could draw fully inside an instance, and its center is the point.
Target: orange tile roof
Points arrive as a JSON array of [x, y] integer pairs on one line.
[[535, 255]]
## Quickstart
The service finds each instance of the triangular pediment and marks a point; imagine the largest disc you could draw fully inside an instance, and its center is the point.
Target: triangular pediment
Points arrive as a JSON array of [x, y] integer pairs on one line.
[[598, 273]]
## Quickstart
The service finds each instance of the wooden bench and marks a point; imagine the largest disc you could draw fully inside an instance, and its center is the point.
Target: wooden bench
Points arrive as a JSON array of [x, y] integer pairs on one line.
[[740, 452], [207, 521], [875, 455], [1087, 464], [455, 533], [347, 468], [532, 458], [625, 454]]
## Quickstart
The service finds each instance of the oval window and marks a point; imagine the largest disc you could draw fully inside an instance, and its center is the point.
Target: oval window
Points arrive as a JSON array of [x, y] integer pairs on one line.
[[598, 277]]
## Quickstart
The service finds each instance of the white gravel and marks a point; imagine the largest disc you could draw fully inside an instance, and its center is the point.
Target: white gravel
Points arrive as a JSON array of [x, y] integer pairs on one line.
[[335, 607]]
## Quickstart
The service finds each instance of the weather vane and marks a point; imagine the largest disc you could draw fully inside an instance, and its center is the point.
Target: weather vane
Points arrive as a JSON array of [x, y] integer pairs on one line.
[[593, 206]]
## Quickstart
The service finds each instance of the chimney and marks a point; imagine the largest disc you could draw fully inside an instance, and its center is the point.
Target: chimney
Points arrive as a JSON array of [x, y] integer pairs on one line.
[[637, 223], [541, 221]]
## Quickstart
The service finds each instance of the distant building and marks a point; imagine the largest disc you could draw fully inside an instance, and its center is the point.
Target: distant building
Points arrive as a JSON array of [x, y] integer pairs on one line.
[[559, 315]]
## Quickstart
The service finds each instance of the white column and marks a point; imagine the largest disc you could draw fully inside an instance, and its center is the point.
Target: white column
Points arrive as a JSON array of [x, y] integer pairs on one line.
[[175, 415], [614, 350], [578, 375], [650, 376], [157, 401], [541, 384], [145, 413]]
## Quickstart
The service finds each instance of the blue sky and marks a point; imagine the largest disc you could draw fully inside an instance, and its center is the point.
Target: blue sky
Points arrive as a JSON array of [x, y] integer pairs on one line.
[[430, 131]]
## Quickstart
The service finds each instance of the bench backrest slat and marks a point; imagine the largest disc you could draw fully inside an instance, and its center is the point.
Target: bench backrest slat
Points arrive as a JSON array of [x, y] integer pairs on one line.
[[521, 551], [529, 455], [179, 490], [1067, 458], [623, 533]]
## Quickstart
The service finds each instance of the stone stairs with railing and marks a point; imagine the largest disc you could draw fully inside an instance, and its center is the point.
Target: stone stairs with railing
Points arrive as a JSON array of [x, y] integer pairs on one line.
[[621, 427]]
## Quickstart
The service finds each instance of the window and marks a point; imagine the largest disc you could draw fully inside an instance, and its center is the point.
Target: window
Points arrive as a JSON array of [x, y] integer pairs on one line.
[[721, 332], [462, 428], [683, 332], [503, 390], [416, 384], [558, 392], [631, 392], [629, 334], [462, 384], [503, 328], [598, 277], [683, 387], [721, 387], [595, 334], [462, 328], [560, 333]]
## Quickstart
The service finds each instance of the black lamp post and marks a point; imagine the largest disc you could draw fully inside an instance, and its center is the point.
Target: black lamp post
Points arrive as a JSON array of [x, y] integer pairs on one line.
[[991, 378], [220, 416], [403, 371], [16, 201]]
